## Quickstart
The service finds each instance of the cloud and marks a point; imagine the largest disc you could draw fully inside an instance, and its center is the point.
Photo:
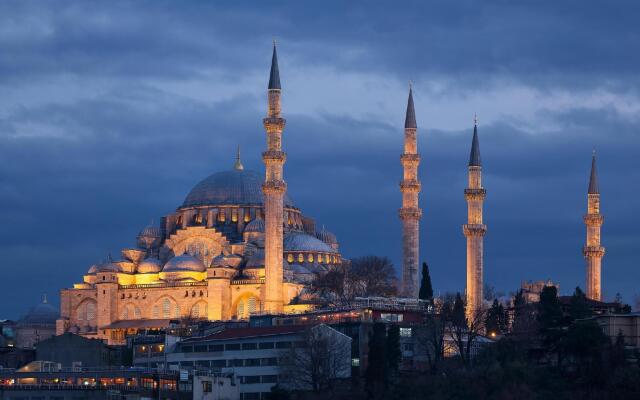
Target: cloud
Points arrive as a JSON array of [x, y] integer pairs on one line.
[[110, 113]]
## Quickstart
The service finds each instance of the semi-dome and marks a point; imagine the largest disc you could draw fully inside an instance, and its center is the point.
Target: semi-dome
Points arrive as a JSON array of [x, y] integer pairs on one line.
[[327, 237], [42, 314], [150, 231], [184, 262], [234, 187], [108, 267], [297, 241], [150, 265], [255, 226]]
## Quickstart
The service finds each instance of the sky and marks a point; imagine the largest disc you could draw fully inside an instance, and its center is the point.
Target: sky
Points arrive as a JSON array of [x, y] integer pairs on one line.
[[110, 112]]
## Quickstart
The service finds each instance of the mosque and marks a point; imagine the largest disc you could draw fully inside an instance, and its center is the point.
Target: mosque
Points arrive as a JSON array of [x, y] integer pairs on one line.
[[237, 245]]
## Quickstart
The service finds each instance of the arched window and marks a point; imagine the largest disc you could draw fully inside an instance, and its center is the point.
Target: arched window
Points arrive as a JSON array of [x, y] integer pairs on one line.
[[137, 313], [125, 313], [300, 258], [290, 258], [156, 311], [91, 311], [166, 308], [241, 309], [176, 311], [195, 311], [251, 307], [310, 258]]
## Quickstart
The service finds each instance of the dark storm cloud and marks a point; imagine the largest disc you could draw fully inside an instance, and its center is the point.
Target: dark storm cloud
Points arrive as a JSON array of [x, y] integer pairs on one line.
[[93, 146]]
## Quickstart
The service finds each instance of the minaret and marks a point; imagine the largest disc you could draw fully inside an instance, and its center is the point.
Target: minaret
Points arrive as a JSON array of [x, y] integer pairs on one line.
[[274, 189], [592, 250], [410, 213], [474, 229]]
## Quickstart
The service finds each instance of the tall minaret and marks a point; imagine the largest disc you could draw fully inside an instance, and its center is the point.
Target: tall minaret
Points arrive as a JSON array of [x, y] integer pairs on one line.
[[474, 230], [410, 213], [274, 188], [592, 250]]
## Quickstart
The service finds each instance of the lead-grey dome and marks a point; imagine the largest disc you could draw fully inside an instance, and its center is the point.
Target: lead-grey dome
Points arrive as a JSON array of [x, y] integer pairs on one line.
[[42, 314], [297, 241], [184, 262], [234, 187]]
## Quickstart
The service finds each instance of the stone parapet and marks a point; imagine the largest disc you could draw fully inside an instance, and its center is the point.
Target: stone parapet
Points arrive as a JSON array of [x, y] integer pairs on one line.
[[593, 251], [274, 156], [593, 219], [410, 213], [410, 186], [474, 229], [475, 194], [274, 124], [274, 187]]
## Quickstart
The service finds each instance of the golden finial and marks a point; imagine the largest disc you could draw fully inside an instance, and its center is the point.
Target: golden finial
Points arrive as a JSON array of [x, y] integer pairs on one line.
[[238, 165]]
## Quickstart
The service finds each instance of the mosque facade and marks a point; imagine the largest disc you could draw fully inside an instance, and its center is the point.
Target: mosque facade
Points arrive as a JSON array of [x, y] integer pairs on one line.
[[237, 245]]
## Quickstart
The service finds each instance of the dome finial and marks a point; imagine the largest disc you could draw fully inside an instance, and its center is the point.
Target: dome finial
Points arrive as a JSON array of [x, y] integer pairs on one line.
[[238, 165], [44, 298]]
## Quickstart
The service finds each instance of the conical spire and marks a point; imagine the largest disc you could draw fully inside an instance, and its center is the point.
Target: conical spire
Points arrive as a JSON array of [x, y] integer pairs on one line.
[[593, 180], [274, 77], [410, 119], [238, 165], [474, 157]]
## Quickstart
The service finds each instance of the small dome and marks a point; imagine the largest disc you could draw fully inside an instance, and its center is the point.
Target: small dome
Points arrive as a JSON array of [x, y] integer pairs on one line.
[[256, 260], [219, 261], [108, 267], [150, 231], [92, 269], [184, 262], [297, 241], [255, 226], [42, 314], [299, 269], [327, 237], [150, 265]]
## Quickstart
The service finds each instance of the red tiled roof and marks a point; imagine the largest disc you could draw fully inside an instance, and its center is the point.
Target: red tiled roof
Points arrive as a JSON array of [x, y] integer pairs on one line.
[[236, 333]]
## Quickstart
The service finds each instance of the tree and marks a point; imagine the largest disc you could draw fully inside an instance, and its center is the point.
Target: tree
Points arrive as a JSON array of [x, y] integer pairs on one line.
[[426, 289], [330, 286], [430, 338], [371, 276], [465, 330], [376, 365], [323, 356], [496, 321], [458, 317], [549, 309], [579, 305], [393, 353]]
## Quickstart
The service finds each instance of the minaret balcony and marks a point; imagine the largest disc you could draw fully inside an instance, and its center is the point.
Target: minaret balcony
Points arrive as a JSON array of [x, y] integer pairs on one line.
[[274, 156], [593, 219], [474, 229], [410, 213], [475, 194], [410, 186], [274, 187], [408, 159], [593, 251], [273, 124]]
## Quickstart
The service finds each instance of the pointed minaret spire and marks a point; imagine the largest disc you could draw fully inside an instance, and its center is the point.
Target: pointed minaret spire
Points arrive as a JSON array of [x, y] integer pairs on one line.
[[593, 180], [410, 119], [238, 165], [274, 76], [474, 156]]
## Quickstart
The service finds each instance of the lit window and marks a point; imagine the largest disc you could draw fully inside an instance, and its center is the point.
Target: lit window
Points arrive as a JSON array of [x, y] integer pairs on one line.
[[252, 305], [355, 362], [310, 258], [166, 308], [300, 258], [290, 258], [405, 332], [241, 309]]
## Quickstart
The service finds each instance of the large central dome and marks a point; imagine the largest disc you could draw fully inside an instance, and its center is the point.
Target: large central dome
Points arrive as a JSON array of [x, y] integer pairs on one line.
[[234, 187]]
